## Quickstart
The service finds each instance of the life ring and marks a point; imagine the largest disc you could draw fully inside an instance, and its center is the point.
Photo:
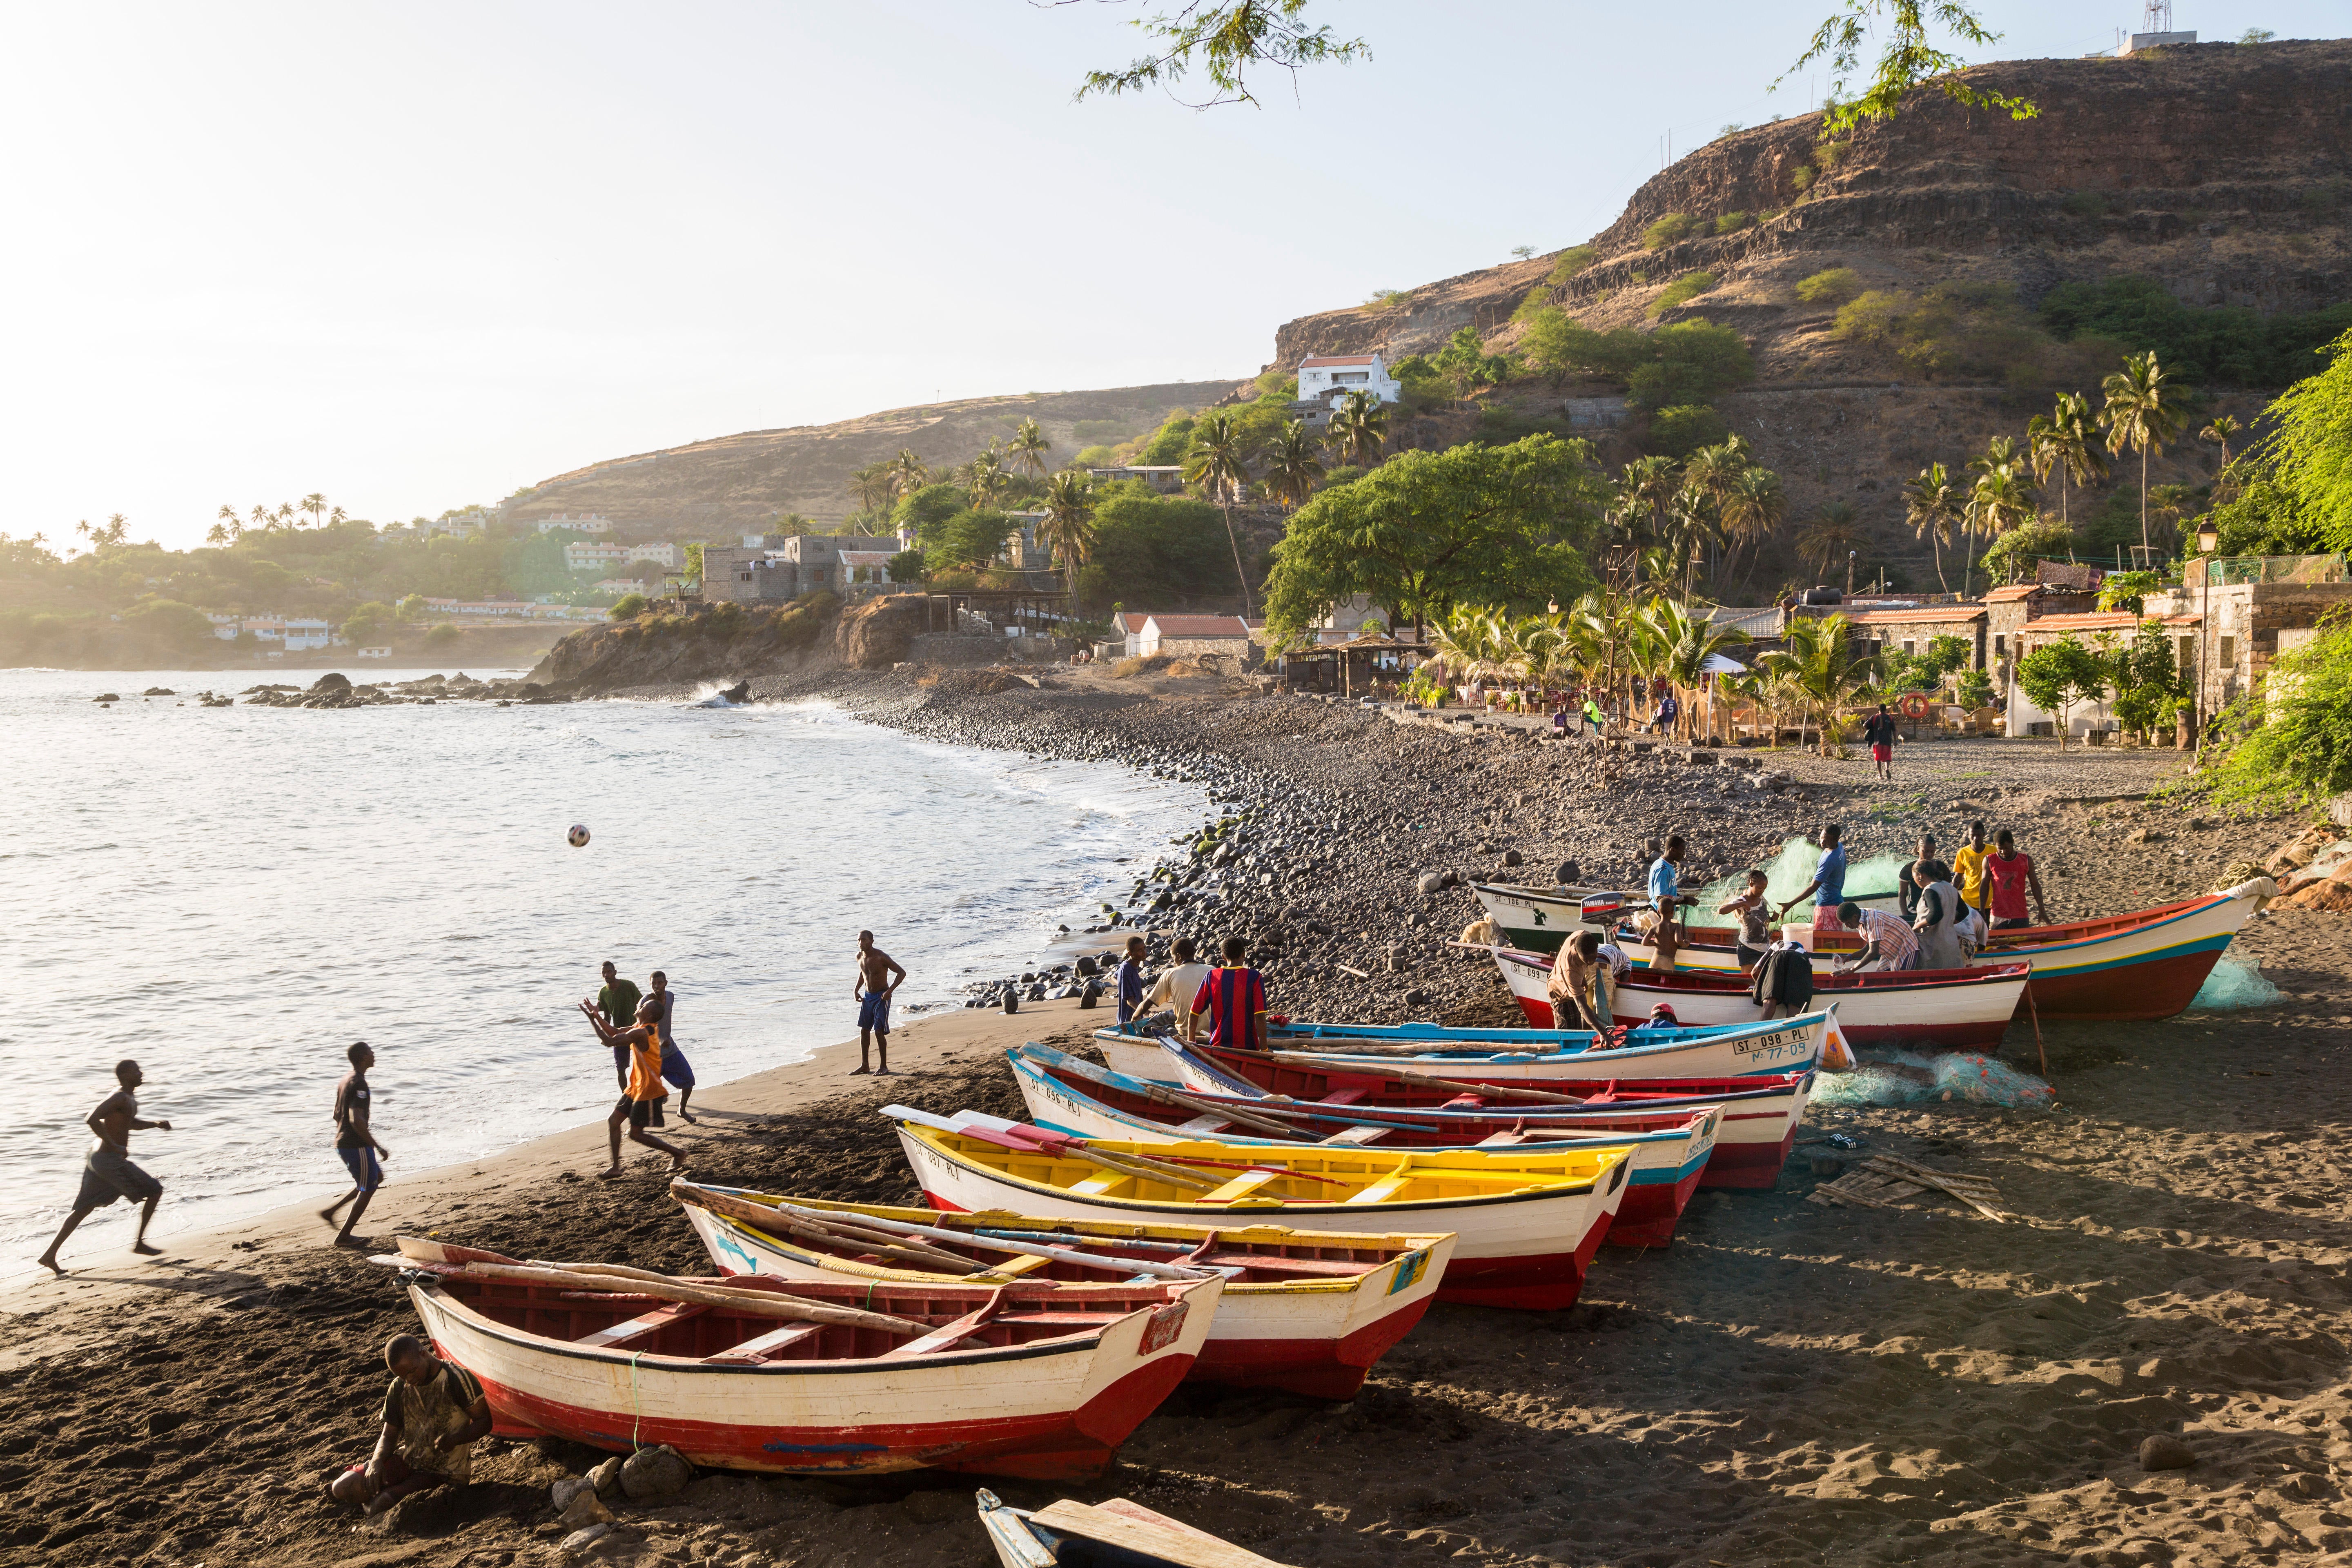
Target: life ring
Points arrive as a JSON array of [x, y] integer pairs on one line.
[[1914, 705]]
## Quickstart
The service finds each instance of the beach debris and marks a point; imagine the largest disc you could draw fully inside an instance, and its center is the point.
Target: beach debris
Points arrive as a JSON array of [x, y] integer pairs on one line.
[[2163, 1451], [565, 1490], [1888, 1181], [585, 1509], [652, 1475], [1912, 1078], [606, 1478], [580, 1541]]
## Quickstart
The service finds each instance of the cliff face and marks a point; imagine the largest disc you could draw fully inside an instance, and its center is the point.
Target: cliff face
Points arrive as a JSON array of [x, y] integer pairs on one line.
[[2219, 170], [733, 484]]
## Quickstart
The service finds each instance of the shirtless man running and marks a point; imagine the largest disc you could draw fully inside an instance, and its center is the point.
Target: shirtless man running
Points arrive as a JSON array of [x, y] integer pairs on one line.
[[108, 1173], [872, 987]]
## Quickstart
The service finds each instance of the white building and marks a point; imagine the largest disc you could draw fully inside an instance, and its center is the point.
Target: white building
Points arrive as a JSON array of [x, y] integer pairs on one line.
[[1166, 477], [584, 522], [458, 524], [585, 555], [300, 634], [224, 626], [661, 553], [1324, 379], [373, 653], [264, 628]]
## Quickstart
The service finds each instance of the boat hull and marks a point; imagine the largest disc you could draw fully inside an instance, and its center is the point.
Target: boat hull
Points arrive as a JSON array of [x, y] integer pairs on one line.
[[1934, 1009], [1051, 1410], [1320, 1338], [1527, 1250], [1539, 919], [1671, 1153]]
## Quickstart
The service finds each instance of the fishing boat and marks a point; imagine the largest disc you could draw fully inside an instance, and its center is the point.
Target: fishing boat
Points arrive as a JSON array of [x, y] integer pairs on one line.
[[1671, 1150], [1749, 1047], [2144, 964], [1759, 1128], [1525, 1224], [1948, 1009], [1537, 920], [1039, 1380], [1305, 1312], [1114, 1534]]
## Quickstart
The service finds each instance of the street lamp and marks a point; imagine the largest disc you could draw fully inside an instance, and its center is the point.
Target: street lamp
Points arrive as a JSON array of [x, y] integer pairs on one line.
[[2208, 539], [1849, 569]]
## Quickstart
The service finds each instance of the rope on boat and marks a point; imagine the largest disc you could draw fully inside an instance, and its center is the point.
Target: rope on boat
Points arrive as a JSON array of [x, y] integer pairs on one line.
[[636, 1405]]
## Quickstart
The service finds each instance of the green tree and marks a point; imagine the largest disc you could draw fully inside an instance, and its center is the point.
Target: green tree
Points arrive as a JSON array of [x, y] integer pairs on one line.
[[1932, 506], [1465, 362], [927, 511], [1691, 362], [872, 486], [1907, 59], [2000, 499], [627, 607], [1828, 535], [1819, 671], [2059, 674], [442, 636], [414, 607], [1292, 467], [1689, 640], [1068, 530], [2295, 493], [1227, 40], [169, 624], [1359, 424], [2140, 415], [1028, 448], [2061, 444], [1428, 531], [908, 474], [973, 538], [368, 623], [907, 566], [2289, 742], [1683, 431], [986, 476], [1154, 550], [1218, 464], [1752, 511]]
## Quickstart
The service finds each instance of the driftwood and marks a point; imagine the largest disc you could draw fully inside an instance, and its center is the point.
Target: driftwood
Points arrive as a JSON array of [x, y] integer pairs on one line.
[[1888, 1181]]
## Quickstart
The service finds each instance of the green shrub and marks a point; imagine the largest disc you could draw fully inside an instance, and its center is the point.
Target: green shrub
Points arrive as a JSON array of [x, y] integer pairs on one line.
[[1689, 286], [1678, 432], [1802, 178], [2224, 343], [441, 635], [1733, 222], [1965, 329], [2011, 556], [1694, 361], [1834, 287], [2289, 742], [1386, 299], [2086, 203], [928, 508], [1666, 230], [907, 566], [1571, 262], [1976, 689], [1537, 298], [1168, 443], [627, 607], [170, 623], [1093, 457]]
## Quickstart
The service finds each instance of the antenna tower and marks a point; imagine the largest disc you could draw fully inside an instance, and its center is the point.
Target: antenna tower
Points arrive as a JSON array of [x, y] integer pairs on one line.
[[2159, 18]]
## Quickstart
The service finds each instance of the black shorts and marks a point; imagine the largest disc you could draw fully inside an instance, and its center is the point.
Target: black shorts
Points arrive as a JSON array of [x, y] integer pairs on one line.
[[2011, 925], [1748, 956], [640, 1111]]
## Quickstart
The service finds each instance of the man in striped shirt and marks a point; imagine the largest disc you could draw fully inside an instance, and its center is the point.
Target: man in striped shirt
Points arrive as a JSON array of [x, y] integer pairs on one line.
[[1887, 943], [1233, 996]]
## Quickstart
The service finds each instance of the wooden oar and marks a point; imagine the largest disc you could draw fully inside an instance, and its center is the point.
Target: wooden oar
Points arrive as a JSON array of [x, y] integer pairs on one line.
[[1485, 1091], [915, 1255], [1160, 1094], [972, 1238], [604, 1278]]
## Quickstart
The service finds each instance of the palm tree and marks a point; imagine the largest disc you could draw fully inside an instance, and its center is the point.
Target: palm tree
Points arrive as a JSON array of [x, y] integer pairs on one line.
[[1691, 528], [314, 503], [2220, 430], [230, 522], [337, 516], [2061, 444], [1933, 509], [1358, 426], [1822, 670], [1292, 469], [284, 514], [1068, 530], [1648, 486], [1216, 463], [872, 486], [261, 518], [986, 476], [2138, 416], [1754, 507], [1821, 538], [908, 474], [1686, 641], [216, 534], [1028, 448]]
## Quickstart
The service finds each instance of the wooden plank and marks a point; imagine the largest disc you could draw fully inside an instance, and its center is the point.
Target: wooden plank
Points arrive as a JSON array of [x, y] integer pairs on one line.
[[637, 1328], [775, 1342], [1203, 1124], [1183, 1548], [1359, 1134]]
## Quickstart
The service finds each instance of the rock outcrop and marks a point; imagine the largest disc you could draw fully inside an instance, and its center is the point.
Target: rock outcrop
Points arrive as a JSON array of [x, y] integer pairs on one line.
[[722, 642]]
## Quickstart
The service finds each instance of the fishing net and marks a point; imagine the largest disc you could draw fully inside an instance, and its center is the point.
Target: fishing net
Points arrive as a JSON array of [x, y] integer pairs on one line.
[[2234, 984], [1787, 873], [1909, 1077]]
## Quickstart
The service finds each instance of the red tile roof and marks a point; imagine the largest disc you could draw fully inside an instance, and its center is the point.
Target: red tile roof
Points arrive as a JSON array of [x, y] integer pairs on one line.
[[1200, 625], [1334, 359], [2102, 621], [1954, 613], [2016, 590]]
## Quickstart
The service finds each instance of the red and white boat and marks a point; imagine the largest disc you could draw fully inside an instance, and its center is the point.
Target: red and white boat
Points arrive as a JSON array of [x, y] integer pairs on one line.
[[1754, 1048], [1671, 1151], [1525, 1224], [1042, 1380], [1305, 1312], [2147, 964], [1757, 1130], [1948, 1009]]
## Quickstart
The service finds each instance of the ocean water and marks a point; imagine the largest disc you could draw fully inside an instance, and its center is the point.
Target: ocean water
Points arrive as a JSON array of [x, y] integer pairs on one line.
[[232, 896]]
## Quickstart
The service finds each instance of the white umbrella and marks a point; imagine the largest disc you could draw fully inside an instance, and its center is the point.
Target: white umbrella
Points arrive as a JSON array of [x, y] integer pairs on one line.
[[1717, 665]]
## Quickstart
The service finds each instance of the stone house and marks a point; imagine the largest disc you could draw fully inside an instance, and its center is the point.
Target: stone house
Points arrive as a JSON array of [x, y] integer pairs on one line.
[[2253, 609], [772, 568], [1907, 631], [1192, 636], [2098, 630]]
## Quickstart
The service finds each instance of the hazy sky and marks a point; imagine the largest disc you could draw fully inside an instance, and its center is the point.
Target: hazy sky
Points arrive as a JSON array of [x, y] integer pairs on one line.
[[415, 255]]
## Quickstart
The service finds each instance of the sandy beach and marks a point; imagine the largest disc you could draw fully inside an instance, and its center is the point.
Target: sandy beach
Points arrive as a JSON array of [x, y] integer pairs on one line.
[[1788, 1383]]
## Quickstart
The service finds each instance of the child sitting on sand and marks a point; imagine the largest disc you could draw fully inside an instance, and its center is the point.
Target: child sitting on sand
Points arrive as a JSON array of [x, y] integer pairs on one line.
[[433, 1413]]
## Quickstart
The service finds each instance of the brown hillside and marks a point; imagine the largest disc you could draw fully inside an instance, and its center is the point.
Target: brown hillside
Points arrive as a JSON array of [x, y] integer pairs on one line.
[[2216, 169], [732, 483]]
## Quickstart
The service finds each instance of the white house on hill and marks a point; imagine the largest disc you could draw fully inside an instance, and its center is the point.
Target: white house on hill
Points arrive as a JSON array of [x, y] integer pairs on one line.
[[1324, 379]]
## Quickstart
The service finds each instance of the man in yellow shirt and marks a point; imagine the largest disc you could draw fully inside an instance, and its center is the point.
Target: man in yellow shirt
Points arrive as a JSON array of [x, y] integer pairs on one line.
[[1968, 871]]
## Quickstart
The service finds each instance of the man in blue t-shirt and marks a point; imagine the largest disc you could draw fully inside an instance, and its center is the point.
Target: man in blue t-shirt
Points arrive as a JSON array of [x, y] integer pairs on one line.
[[1131, 981], [1667, 897], [1827, 890]]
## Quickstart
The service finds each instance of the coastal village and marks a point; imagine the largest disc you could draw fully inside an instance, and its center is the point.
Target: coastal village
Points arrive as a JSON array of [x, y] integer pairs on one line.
[[1764, 977]]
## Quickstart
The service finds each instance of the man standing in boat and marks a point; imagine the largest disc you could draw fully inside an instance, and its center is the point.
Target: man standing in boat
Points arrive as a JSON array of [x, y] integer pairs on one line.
[[1827, 890], [879, 975], [2009, 874], [108, 1173], [1233, 996], [433, 1413]]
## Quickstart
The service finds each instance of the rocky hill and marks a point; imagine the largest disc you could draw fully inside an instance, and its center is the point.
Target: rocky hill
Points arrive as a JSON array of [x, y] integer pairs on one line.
[[733, 483], [2218, 170]]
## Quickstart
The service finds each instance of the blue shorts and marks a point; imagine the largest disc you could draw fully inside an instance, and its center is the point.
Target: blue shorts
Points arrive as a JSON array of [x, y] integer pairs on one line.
[[366, 1174], [676, 1070], [874, 1012]]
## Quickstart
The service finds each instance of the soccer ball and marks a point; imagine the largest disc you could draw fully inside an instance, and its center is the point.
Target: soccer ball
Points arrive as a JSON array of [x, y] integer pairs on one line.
[[578, 834]]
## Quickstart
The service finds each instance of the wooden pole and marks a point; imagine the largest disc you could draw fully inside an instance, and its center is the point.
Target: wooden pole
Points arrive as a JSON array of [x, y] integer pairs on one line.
[[2035, 1013]]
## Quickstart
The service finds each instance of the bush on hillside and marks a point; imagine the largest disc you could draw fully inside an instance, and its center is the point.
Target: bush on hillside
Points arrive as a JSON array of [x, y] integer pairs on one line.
[[1834, 287], [1168, 443], [2011, 556], [1733, 222], [1689, 286], [369, 622], [1154, 550], [2289, 742], [169, 623], [2226, 344], [441, 635], [907, 566], [928, 509], [1692, 361], [1571, 262], [627, 607], [1972, 331], [1668, 229], [1678, 432]]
